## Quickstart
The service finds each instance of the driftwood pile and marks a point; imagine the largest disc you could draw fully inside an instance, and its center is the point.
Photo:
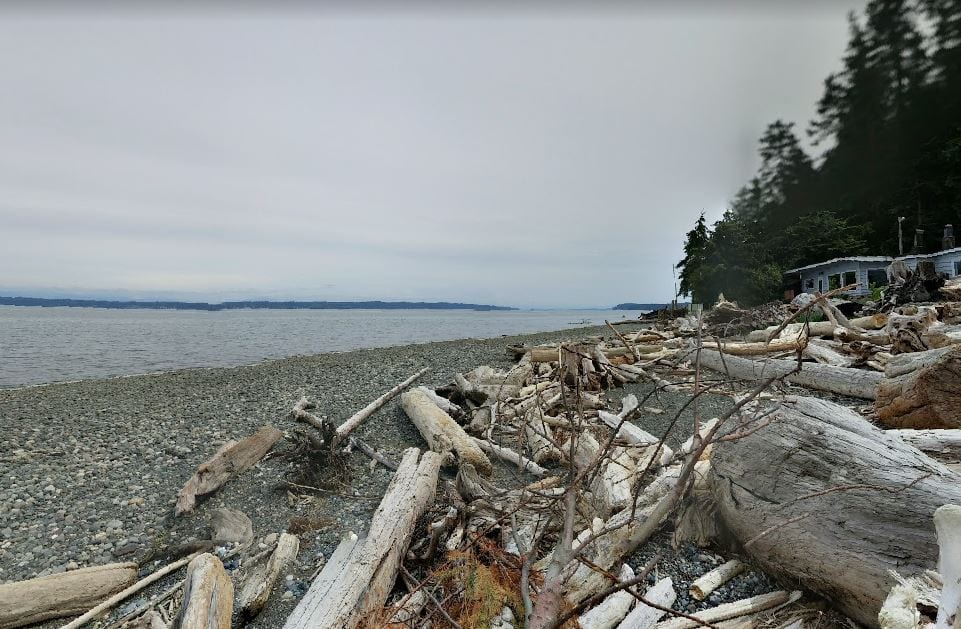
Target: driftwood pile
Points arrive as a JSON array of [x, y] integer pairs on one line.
[[537, 483]]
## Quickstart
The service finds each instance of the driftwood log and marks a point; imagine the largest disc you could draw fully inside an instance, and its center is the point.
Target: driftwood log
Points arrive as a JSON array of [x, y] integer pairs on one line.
[[57, 595], [823, 498], [441, 432], [231, 459], [360, 574], [208, 595], [256, 587], [922, 390], [851, 382]]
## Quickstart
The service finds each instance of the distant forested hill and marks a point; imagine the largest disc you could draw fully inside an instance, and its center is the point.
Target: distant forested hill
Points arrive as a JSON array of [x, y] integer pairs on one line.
[[237, 305], [887, 134], [633, 306]]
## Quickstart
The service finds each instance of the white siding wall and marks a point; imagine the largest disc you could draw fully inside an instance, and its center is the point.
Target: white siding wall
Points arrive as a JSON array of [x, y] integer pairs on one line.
[[824, 272], [943, 262]]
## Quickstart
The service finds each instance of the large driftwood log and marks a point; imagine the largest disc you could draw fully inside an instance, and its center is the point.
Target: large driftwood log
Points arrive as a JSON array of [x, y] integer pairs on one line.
[[851, 382], [823, 498], [231, 459], [66, 594], [922, 390], [360, 575], [208, 595], [441, 432]]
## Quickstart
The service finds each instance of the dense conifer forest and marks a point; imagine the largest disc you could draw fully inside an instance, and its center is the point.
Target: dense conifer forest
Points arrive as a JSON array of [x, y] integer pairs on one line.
[[886, 143]]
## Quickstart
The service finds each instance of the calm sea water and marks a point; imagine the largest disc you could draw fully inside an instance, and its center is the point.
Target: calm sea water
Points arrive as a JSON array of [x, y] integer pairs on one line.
[[40, 345]]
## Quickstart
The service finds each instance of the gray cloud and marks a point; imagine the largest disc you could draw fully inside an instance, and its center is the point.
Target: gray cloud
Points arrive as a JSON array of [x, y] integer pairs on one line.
[[532, 158]]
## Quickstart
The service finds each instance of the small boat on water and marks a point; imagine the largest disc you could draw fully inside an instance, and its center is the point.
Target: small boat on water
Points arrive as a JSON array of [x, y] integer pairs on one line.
[[581, 322]]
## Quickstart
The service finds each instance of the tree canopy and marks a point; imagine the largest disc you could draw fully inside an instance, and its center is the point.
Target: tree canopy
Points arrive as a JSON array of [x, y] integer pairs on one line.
[[888, 132]]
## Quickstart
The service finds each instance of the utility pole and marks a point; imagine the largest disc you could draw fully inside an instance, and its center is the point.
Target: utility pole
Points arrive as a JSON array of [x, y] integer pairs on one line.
[[900, 237]]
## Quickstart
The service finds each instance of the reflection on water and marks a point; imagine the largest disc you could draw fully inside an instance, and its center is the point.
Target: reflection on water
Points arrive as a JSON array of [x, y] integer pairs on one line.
[[55, 344]]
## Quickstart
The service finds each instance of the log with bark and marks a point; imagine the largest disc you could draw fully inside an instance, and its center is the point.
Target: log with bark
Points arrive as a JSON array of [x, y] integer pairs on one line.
[[821, 497], [231, 459], [359, 576], [441, 432], [58, 595], [921, 390]]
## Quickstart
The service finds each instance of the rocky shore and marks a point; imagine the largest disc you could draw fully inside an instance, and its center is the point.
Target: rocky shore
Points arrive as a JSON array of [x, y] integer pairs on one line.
[[90, 469]]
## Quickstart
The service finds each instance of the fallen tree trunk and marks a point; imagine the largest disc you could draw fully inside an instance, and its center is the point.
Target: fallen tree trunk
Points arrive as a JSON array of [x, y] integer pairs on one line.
[[231, 459], [441, 432], [921, 390], [360, 574], [823, 498], [208, 595], [851, 382], [57, 595]]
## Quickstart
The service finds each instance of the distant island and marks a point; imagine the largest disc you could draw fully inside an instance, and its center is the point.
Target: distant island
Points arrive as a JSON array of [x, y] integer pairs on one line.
[[240, 305], [633, 306]]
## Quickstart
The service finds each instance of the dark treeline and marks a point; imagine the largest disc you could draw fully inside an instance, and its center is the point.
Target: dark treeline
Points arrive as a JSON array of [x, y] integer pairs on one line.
[[239, 305], [888, 134]]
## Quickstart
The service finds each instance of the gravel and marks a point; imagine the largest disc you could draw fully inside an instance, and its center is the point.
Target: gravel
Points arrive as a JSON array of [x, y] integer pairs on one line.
[[89, 470]]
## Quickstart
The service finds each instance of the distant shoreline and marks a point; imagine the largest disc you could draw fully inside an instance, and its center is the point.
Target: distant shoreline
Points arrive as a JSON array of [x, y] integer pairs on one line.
[[246, 305]]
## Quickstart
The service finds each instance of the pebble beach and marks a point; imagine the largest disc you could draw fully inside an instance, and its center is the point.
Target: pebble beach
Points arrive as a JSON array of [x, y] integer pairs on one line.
[[90, 469]]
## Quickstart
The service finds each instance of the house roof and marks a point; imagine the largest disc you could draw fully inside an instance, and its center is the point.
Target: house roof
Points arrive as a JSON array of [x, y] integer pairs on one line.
[[843, 259], [914, 256]]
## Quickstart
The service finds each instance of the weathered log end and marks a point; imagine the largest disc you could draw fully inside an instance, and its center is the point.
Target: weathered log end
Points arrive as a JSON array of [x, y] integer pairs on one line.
[[928, 397]]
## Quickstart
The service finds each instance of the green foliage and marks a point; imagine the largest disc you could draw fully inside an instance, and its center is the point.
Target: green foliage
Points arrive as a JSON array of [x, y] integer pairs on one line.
[[890, 135]]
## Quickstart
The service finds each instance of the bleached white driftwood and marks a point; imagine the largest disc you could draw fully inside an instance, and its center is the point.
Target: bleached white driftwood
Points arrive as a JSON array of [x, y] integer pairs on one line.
[[540, 439], [621, 535], [256, 587], [357, 418], [231, 459], [58, 595], [743, 607], [942, 441], [609, 612], [616, 481], [127, 592], [359, 576], [644, 616], [510, 456], [707, 583], [851, 382], [947, 523], [208, 595], [900, 609], [442, 403], [822, 498], [441, 432]]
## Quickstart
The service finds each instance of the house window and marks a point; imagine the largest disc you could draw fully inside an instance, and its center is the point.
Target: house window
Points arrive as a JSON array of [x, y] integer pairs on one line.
[[834, 281], [850, 277], [877, 277], [809, 283]]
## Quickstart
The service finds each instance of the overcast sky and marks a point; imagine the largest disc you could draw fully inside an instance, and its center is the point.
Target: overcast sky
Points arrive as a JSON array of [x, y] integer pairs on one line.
[[536, 158]]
